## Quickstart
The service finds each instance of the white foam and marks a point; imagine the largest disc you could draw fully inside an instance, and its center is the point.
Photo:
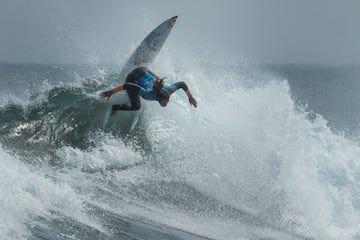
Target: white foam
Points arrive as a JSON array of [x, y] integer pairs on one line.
[[26, 195], [110, 153], [255, 149]]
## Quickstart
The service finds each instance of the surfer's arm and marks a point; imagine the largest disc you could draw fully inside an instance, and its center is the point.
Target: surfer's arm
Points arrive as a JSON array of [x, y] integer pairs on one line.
[[112, 91], [120, 88], [186, 89]]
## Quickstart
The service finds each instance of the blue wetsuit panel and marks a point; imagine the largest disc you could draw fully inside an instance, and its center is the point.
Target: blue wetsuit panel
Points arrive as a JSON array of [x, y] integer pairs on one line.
[[146, 81], [170, 88], [146, 87]]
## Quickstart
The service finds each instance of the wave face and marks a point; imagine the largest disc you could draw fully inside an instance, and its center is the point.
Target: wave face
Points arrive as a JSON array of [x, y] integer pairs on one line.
[[249, 163]]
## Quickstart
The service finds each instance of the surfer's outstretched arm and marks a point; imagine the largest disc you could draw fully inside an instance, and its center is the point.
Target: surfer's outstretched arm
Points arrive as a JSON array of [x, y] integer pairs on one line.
[[112, 91], [186, 89], [133, 92]]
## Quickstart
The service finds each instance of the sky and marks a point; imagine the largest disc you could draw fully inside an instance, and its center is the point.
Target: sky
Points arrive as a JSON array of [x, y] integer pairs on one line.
[[263, 31]]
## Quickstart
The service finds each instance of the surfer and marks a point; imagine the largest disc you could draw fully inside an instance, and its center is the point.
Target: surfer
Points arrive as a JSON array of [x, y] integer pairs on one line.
[[142, 82]]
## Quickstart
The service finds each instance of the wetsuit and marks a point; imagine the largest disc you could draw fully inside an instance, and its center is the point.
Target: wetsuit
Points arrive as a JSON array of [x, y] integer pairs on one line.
[[139, 82]]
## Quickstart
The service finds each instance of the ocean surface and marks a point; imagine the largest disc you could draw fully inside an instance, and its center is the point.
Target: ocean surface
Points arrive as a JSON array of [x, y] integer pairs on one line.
[[271, 152]]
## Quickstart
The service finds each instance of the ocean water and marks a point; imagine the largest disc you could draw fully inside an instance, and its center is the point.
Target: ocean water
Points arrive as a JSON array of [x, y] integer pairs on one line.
[[271, 152]]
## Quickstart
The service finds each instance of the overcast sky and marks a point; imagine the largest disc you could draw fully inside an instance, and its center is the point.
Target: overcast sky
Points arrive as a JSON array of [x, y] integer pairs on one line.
[[105, 31]]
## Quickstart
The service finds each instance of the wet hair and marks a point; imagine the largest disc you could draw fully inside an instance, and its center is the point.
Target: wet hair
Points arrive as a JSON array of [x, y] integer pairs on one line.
[[161, 94], [158, 84]]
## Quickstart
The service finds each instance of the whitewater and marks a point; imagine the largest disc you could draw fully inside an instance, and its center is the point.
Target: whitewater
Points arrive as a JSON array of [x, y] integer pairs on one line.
[[249, 163]]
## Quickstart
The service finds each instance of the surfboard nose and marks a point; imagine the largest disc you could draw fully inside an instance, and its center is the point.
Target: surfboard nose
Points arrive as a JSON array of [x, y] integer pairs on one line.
[[173, 20]]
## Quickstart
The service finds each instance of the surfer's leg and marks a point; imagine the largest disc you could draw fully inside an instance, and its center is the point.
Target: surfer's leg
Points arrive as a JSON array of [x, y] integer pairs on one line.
[[125, 107], [133, 92]]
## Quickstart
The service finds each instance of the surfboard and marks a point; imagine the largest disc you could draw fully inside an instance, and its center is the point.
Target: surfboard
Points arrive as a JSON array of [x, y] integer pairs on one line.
[[149, 48], [144, 55]]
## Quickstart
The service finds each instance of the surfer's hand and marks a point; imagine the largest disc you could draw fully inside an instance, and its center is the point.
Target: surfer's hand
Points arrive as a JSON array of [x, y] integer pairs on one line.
[[106, 94], [192, 101]]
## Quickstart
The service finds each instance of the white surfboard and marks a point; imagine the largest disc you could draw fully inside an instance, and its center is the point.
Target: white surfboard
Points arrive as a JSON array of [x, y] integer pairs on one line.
[[144, 55]]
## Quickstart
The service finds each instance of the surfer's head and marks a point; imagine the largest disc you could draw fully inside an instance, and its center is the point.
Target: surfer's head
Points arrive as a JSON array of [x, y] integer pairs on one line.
[[162, 96]]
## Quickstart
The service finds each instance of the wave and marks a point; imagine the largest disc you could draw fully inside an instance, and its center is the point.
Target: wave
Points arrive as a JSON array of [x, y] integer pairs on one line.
[[65, 116], [248, 162]]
